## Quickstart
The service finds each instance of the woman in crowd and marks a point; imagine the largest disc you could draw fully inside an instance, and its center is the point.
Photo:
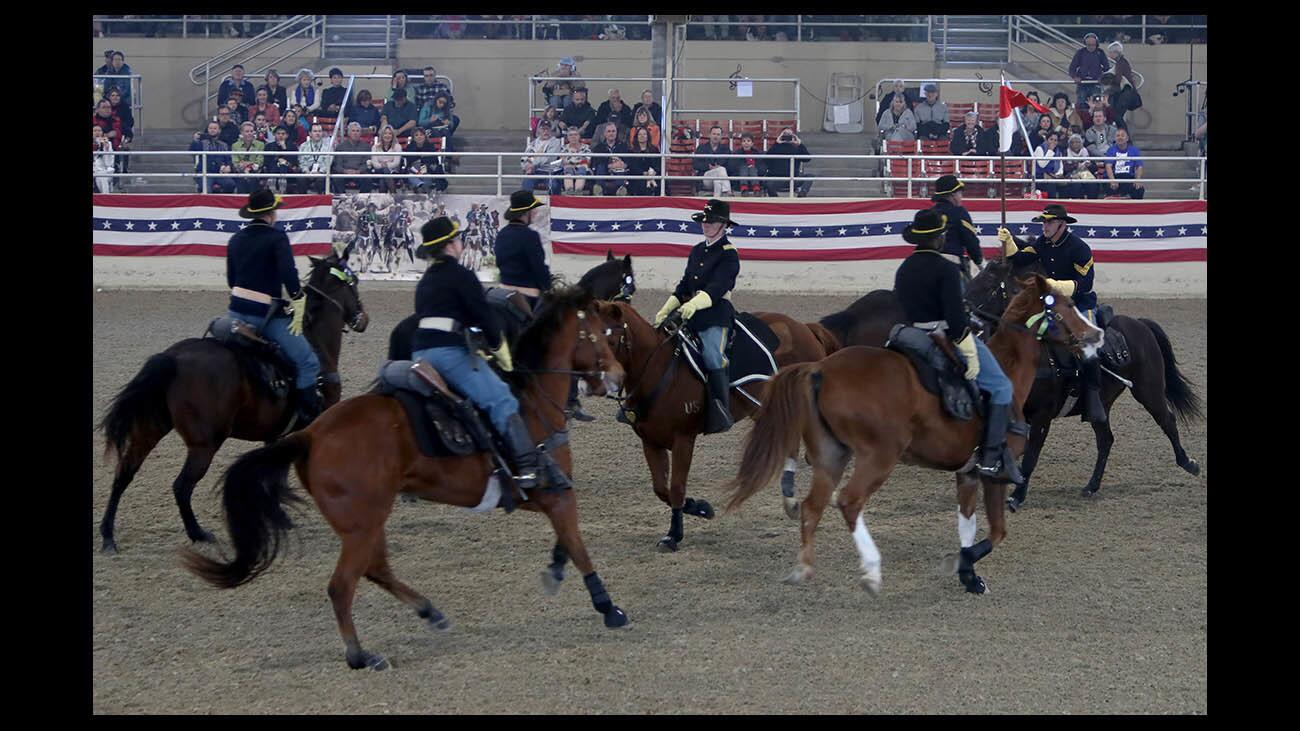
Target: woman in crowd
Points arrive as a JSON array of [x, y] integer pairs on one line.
[[385, 158], [1048, 167], [577, 161], [965, 139], [1076, 167], [641, 120], [1065, 119], [1029, 114], [436, 118], [294, 124], [305, 92], [1038, 135], [643, 169], [282, 163], [122, 110], [276, 93], [421, 166], [550, 115], [102, 164], [364, 112]]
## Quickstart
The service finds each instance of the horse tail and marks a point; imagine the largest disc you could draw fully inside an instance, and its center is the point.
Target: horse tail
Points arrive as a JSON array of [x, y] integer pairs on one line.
[[778, 427], [140, 408], [255, 490], [1177, 388], [830, 343]]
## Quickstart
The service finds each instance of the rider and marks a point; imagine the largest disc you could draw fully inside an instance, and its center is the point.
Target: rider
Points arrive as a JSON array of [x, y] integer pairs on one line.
[[449, 299], [961, 240], [258, 263], [705, 295], [522, 263], [928, 286], [1067, 260]]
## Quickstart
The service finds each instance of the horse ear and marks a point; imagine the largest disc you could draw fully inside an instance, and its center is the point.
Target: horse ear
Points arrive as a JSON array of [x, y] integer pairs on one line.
[[609, 255], [314, 261], [627, 261]]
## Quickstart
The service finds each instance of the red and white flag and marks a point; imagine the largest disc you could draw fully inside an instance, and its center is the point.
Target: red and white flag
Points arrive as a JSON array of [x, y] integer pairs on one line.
[[1009, 101]]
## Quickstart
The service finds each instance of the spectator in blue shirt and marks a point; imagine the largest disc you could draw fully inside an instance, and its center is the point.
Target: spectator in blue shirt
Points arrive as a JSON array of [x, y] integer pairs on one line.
[[1127, 168], [402, 114], [217, 164], [364, 112], [1086, 68], [116, 66], [236, 80]]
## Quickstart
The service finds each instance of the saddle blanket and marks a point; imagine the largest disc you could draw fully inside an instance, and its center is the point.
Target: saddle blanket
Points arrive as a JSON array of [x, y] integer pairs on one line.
[[938, 374], [750, 343]]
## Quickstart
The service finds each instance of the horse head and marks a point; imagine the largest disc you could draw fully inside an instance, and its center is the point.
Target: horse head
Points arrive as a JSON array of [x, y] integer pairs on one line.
[[567, 333], [612, 279], [334, 283], [1052, 317], [993, 288]]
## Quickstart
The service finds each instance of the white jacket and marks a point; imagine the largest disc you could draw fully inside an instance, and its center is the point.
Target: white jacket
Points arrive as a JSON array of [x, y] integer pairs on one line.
[[543, 154], [104, 163]]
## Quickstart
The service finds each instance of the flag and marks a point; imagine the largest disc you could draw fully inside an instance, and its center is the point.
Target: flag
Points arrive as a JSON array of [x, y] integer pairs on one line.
[[127, 224], [1011, 99], [1119, 231]]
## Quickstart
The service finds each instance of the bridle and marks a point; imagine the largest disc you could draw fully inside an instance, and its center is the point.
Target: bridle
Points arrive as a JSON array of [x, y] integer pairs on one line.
[[629, 383], [626, 291], [350, 279], [584, 335]]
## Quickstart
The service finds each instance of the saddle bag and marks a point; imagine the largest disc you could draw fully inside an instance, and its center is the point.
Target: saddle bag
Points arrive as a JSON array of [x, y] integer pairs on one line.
[[263, 360], [937, 371], [443, 426]]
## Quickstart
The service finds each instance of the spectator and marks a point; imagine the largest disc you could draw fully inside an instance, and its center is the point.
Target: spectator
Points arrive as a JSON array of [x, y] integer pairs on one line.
[[887, 101], [550, 115], [579, 115], [1121, 89], [559, 93], [577, 160], [898, 123], [1078, 167], [1128, 167], [315, 159], [282, 163], [1038, 136], [352, 164], [335, 98], [305, 92], [228, 126], [542, 157], [429, 87], [236, 80], [750, 168], [641, 119], [1086, 68], [778, 169], [424, 164], [614, 107], [262, 129], [1029, 114], [400, 81], [1101, 102], [965, 139], [275, 93], [643, 167], [217, 163], [102, 164], [1048, 167], [246, 156], [263, 105], [122, 111], [364, 112], [295, 126], [104, 118], [1100, 136], [714, 168], [931, 115], [648, 101], [385, 157], [115, 66], [1065, 120], [436, 118], [238, 110], [401, 113], [600, 161]]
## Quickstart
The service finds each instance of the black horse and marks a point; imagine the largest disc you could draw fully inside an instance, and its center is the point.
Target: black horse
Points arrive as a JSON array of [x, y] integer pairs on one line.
[[209, 392]]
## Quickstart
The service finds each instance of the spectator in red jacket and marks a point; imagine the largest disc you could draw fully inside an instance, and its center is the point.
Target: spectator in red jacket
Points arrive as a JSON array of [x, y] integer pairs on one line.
[[104, 118], [276, 93], [263, 105]]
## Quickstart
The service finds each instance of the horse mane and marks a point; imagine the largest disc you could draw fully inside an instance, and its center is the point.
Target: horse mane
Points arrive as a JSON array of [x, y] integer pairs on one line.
[[530, 350]]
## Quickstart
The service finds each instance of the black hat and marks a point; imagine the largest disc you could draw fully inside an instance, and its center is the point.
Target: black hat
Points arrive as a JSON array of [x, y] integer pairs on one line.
[[947, 184], [1053, 210], [715, 211], [520, 201], [259, 202], [434, 234], [927, 225]]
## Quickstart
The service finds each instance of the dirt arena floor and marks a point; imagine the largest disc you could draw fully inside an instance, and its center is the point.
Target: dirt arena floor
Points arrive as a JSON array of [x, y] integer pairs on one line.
[[1095, 605]]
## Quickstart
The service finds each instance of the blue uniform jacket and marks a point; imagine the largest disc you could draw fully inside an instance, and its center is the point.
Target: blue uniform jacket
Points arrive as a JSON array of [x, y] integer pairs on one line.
[[521, 259], [714, 270], [1071, 259], [448, 289], [928, 287], [960, 238], [259, 258]]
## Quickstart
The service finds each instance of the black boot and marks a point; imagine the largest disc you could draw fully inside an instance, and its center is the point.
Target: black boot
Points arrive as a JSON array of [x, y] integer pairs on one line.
[[309, 407], [523, 453], [574, 407], [995, 460], [718, 411], [1093, 410]]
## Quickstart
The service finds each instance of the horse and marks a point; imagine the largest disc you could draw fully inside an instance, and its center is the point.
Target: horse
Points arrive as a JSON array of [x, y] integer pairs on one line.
[[209, 393], [869, 404], [1152, 375], [360, 454], [668, 401]]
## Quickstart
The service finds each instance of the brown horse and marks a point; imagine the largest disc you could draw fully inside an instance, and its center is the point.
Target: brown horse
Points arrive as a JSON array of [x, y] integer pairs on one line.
[[869, 404], [667, 400], [360, 454], [209, 393]]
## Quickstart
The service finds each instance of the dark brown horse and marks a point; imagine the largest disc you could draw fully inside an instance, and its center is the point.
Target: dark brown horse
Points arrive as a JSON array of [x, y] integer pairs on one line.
[[869, 404], [668, 400], [360, 454], [209, 393]]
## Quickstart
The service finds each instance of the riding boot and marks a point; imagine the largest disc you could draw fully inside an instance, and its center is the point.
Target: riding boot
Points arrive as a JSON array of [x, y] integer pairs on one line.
[[523, 453], [995, 460], [718, 412], [574, 407], [309, 407], [1093, 410]]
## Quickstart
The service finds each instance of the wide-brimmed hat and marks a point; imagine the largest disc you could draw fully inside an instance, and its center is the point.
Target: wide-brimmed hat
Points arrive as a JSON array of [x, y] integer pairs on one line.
[[926, 225], [521, 201], [715, 211], [434, 234], [1054, 210], [259, 202], [947, 184]]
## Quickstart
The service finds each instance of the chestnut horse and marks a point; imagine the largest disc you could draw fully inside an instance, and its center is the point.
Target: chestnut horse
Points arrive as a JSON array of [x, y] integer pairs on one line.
[[360, 454], [869, 404], [661, 390], [204, 391]]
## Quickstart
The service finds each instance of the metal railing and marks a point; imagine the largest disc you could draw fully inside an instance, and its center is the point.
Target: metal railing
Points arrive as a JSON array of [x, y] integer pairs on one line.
[[1060, 46], [1143, 26], [675, 96], [137, 87], [310, 27], [182, 26]]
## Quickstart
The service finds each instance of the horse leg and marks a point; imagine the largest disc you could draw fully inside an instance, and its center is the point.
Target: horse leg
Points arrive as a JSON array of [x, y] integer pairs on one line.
[[825, 478], [1152, 398], [656, 459], [868, 476], [562, 510], [963, 563], [380, 573], [553, 574], [196, 466], [1029, 460], [354, 559], [683, 451], [127, 466], [787, 486], [1105, 438]]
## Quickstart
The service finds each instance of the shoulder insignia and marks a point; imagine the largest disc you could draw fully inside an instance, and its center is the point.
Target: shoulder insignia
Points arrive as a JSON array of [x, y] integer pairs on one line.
[[1083, 268], [728, 247], [1029, 250], [966, 222]]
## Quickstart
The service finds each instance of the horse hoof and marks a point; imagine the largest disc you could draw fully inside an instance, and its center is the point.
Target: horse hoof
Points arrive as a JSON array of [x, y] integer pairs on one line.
[[1089, 491], [977, 586], [871, 584], [615, 617], [368, 660], [667, 544], [701, 509], [109, 548], [948, 564], [1192, 467], [799, 575], [437, 621], [1013, 504], [791, 508], [550, 583]]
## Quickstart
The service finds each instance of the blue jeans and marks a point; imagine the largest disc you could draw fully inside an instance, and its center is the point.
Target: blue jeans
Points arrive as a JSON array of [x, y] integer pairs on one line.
[[471, 376], [714, 342], [553, 186], [295, 347], [991, 378]]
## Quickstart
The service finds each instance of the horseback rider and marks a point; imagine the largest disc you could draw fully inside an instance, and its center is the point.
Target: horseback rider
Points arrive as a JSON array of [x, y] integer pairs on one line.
[[928, 286], [449, 299], [1067, 260], [961, 241], [704, 296], [522, 263], [258, 263]]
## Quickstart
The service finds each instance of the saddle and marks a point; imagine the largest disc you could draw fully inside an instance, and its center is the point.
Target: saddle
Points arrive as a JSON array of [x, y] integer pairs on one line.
[[264, 363], [512, 311], [750, 343], [940, 372], [1059, 362]]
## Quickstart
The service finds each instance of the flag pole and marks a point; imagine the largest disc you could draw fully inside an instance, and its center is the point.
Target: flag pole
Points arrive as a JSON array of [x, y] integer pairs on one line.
[[1002, 153]]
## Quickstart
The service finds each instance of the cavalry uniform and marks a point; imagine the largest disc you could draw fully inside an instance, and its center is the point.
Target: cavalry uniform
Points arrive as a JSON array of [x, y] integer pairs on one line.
[[929, 289], [704, 296], [519, 253], [961, 240], [259, 263]]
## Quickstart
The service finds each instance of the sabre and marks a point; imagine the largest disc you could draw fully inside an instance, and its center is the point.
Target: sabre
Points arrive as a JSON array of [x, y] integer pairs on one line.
[[1118, 377]]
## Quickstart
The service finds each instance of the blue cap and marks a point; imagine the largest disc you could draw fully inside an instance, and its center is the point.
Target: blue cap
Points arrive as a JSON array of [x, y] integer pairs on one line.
[[567, 61]]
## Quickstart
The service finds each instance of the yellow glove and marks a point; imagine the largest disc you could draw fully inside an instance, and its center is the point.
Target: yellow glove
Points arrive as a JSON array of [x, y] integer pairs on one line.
[[1008, 243], [967, 349], [502, 356], [701, 301], [1063, 286], [299, 312], [663, 313]]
